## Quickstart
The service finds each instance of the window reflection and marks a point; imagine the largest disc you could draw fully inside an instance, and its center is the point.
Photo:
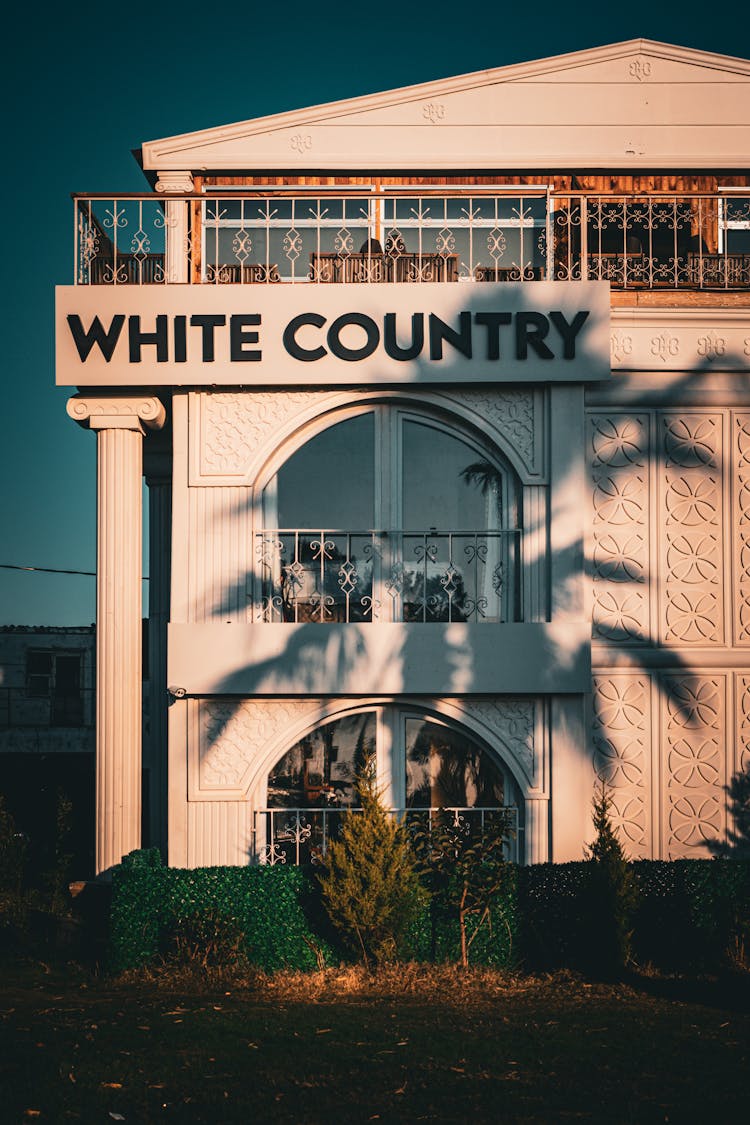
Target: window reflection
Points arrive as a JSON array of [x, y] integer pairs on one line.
[[444, 769], [320, 770]]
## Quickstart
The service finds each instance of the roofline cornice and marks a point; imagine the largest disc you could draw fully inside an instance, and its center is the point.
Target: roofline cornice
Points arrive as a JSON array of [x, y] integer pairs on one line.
[[153, 152]]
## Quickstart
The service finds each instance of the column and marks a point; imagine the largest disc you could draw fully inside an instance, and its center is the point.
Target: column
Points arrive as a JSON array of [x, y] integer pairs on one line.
[[120, 424], [177, 222]]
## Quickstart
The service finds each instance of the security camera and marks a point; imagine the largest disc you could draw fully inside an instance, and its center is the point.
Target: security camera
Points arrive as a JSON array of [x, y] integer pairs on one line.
[[177, 692]]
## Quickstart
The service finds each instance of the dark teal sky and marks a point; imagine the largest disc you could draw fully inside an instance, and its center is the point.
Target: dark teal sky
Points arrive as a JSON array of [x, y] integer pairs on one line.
[[85, 85]]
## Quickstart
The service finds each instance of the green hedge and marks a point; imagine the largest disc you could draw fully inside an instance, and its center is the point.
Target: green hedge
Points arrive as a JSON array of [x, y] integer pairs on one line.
[[275, 908], [690, 913]]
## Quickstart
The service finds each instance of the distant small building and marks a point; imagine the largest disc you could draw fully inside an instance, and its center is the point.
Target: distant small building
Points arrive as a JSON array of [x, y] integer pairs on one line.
[[47, 732]]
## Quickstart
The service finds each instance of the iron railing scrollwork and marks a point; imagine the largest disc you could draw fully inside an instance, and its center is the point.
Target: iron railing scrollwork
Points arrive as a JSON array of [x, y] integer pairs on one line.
[[330, 576], [632, 240]]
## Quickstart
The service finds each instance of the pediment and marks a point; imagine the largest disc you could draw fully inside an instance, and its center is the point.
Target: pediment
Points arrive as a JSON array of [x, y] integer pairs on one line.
[[637, 104]]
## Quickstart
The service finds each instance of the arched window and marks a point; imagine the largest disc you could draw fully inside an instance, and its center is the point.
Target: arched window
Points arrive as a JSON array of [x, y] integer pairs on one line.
[[422, 762], [391, 515]]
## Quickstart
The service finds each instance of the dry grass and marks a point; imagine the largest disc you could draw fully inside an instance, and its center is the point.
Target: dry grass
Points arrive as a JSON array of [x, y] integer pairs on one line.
[[408, 1043]]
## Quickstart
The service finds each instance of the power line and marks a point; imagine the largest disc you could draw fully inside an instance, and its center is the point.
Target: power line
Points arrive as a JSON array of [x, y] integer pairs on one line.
[[54, 570]]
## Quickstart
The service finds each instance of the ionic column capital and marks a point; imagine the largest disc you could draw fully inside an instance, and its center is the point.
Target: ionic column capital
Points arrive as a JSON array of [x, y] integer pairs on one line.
[[174, 182], [110, 412]]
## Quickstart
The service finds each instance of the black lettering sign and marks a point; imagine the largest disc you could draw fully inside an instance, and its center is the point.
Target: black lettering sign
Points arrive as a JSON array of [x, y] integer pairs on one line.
[[531, 328], [241, 334], [105, 340], [291, 344], [359, 320], [207, 322], [137, 339], [390, 338], [493, 322], [569, 331], [459, 338]]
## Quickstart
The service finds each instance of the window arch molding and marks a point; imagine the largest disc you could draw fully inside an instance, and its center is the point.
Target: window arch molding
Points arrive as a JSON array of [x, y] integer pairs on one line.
[[504, 751], [467, 423]]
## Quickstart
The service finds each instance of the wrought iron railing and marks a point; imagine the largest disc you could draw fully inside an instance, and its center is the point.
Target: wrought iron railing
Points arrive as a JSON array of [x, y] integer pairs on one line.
[[414, 576], [637, 241], [295, 836]]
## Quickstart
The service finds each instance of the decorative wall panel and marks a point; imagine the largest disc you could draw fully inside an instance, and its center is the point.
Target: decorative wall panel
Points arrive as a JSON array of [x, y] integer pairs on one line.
[[622, 755], [512, 724], [235, 735], [512, 416], [620, 529], [742, 743], [230, 432], [691, 529], [693, 766], [741, 525]]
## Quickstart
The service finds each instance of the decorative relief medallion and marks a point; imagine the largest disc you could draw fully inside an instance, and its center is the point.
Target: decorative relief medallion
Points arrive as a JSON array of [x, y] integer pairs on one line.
[[693, 750], [711, 346], [433, 112], [640, 69], [621, 346], [300, 142], [233, 736], [691, 540], [621, 725], [619, 466], [665, 345]]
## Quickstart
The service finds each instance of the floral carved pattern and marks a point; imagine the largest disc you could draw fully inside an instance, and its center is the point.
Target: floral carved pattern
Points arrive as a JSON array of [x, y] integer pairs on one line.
[[621, 724], [234, 735], [742, 761], [692, 529], [741, 524], [619, 466], [510, 413], [693, 722], [234, 428], [512, 722]]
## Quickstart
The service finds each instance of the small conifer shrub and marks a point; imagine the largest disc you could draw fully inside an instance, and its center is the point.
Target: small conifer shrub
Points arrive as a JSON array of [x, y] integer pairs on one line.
[[370, 888], [611, 894]]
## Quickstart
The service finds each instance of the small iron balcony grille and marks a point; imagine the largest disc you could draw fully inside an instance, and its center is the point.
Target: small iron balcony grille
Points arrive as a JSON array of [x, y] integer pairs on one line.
[[412, 576], [296, 836]]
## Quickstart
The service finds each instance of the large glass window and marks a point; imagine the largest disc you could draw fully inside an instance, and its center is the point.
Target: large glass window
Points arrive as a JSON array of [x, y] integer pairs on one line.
[[423, 764], [389, 515]]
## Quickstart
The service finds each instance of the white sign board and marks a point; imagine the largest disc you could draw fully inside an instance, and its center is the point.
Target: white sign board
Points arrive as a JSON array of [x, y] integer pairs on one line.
[[218, 335]]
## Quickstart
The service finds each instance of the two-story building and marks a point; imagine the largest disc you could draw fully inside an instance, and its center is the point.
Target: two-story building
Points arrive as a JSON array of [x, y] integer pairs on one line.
[[442, 399]]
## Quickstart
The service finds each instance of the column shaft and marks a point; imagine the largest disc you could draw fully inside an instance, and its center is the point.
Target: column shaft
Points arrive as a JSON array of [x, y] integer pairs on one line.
[[118, 663]]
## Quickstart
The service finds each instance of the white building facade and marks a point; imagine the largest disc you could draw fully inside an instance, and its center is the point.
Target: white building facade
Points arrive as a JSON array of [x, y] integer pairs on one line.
[[442, 399]]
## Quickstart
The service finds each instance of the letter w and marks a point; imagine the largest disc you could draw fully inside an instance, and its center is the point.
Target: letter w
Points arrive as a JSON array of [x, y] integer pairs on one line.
[[84, 341]]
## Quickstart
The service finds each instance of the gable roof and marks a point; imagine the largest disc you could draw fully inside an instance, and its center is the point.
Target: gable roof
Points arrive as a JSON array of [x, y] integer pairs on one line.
[[637, 104]]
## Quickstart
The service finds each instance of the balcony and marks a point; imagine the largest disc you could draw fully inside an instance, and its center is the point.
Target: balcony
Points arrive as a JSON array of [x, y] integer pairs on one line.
[[359, 576], [636, 242]]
